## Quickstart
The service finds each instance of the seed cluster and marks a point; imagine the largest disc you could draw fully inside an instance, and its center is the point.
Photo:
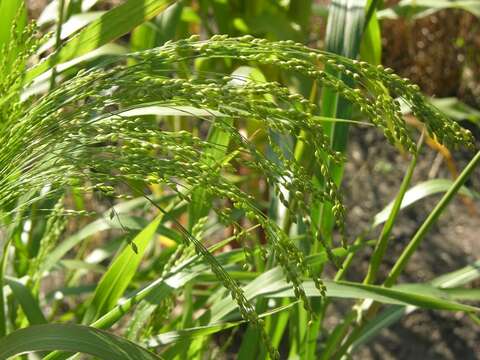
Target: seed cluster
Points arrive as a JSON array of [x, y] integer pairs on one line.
[[80, 135]]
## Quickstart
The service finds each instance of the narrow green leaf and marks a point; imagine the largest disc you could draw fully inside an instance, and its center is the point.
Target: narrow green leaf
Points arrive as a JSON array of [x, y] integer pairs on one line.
[[174, 110], [72, 338], [272, 284], [349, 290], [371, 45], [50, 12], [462, 294], [421, 191], [41, 83], [29, 305], [458, 277], [111, 25], [116, 280], [454, 293], [184, 334]]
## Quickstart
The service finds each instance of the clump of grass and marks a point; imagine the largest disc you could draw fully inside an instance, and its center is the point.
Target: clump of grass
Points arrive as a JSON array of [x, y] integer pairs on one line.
[[79, 136]]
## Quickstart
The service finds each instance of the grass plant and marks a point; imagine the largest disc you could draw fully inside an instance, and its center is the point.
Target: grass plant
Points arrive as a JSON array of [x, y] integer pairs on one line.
[[153, 201]]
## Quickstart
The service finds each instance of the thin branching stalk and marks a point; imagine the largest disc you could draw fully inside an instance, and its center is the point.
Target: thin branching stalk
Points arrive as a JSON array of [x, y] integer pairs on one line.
[[382, 243]]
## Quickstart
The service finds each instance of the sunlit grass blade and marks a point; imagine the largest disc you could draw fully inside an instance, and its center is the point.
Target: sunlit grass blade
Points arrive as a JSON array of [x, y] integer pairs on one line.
[[421, 191], [41, 82], [344, 33], [201, 331], [273, 285], [108, 27], [371, 45], [72, 338], [116, 280], [458, 277], [415, 295]]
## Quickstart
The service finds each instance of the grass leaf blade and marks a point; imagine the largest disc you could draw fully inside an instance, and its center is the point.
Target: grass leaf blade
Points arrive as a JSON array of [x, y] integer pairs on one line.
[[72, 338]]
